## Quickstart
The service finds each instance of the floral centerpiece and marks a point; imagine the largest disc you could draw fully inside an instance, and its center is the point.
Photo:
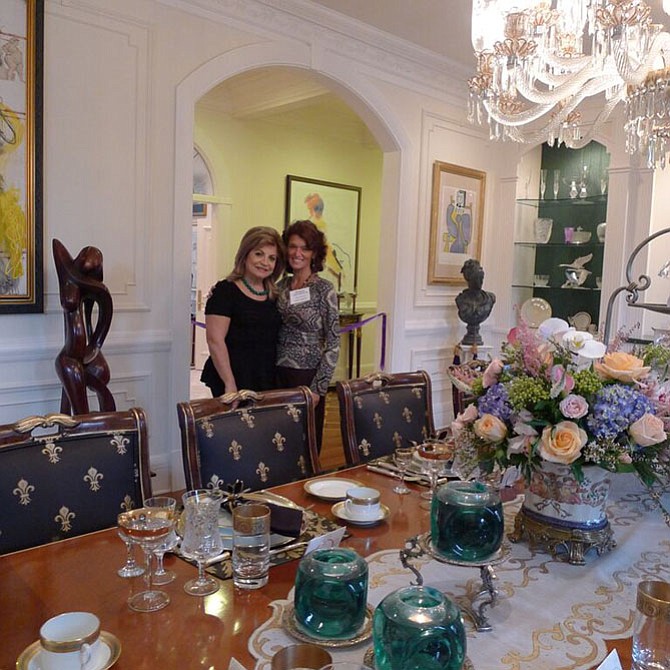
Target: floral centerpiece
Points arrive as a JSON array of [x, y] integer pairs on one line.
[[558, 401]]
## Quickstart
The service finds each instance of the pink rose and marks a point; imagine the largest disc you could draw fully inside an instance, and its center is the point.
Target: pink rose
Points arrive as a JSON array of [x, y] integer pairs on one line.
[[573, 406], [492, 373], [561, 381], [562, 443], [647, 430], [490, 428], [465, 418]]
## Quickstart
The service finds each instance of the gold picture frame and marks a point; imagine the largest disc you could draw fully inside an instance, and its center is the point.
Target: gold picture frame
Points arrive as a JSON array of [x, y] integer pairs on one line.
[[21, 252], [456, 221]]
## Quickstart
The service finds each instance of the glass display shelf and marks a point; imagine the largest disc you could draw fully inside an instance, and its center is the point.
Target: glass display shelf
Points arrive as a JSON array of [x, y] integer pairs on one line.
[[561, 245], [563, 202], [535, 287]]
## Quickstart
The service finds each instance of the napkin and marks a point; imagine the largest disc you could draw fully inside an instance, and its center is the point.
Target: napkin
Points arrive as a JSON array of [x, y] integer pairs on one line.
[[285, 520], [612, 662]]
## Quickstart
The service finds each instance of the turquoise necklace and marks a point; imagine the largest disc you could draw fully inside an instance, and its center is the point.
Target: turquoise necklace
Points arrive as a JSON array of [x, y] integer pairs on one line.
[[252, 289]]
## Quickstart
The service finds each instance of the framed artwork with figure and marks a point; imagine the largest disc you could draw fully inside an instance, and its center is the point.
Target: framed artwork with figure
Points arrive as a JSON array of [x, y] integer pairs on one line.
[[456, 221], [335, 209], [21, 254]]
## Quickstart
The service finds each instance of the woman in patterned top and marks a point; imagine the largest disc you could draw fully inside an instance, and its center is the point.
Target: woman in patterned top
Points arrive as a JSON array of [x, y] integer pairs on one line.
[[242, 320], [309, 338]]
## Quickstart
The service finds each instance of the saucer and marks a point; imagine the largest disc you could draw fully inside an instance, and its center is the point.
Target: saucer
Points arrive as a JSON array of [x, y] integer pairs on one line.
[[340, 511], [107, 654], [330, 488], [291, 627]]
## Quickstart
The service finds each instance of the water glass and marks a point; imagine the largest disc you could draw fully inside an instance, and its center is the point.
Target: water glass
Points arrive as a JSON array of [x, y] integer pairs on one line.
[[169, 505], [418, 628], [651, 628], [402, 457], [466, 521], [331, 593], [251, 545]]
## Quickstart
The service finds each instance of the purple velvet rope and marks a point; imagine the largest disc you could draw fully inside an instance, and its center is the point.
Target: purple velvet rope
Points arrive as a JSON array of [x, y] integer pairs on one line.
[[360, 324], [348, 329]]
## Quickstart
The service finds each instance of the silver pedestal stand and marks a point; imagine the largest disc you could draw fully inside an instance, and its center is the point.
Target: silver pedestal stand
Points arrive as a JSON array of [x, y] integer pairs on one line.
[[485, 598]]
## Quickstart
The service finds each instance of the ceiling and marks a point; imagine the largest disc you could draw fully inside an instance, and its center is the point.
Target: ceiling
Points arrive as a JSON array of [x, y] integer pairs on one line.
[[289, 97]]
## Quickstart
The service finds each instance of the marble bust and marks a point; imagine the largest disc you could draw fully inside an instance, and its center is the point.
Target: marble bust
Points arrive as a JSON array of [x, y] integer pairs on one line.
[[474, 304]]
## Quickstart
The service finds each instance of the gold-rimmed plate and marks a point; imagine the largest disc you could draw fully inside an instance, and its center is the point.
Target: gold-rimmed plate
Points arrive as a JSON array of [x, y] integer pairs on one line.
[[291, 627], [330, 488], [108, 653]]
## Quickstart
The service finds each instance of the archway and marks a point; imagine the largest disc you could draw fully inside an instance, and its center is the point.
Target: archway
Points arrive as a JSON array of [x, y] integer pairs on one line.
[[367, 102]]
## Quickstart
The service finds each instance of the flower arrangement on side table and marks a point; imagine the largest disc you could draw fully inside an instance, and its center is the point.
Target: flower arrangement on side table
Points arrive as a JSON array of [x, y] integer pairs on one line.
[[558, 397]]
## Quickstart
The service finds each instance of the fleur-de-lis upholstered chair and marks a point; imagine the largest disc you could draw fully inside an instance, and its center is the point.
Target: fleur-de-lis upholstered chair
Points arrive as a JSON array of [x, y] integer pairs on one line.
[[381, 412], [259, 439], [63, 476]]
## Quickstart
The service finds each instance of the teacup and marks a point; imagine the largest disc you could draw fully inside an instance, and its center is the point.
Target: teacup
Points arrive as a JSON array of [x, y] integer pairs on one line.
[[363, 503], [69, 641]]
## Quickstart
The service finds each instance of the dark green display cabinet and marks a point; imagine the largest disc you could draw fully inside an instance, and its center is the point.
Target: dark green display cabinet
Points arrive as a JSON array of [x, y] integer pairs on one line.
[[560, 238]]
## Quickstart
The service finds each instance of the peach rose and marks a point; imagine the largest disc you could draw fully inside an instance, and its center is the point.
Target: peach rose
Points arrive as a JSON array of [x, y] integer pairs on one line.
[[648, 430], [490, 428], [622, 366], [466, 417], [562, 443]]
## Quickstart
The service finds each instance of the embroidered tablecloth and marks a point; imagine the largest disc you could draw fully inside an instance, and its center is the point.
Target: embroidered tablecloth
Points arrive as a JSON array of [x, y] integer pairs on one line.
[[550, 615]]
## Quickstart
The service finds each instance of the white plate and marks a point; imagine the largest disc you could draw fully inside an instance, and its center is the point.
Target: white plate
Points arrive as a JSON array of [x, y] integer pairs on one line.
[[581, 321], [534, 311], [340, 511], [107, 654], [330, 488]]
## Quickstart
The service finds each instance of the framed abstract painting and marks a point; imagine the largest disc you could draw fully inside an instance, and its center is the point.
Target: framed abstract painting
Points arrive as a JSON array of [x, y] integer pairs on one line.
[[457, 219], [21, 258], [335, 210]]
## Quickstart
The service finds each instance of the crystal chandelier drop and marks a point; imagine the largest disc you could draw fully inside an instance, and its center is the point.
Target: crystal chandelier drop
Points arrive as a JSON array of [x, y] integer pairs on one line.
[[539, 60]]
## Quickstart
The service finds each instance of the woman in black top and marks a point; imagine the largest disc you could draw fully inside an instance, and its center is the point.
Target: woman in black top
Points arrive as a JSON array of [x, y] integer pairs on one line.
[[242, 320]]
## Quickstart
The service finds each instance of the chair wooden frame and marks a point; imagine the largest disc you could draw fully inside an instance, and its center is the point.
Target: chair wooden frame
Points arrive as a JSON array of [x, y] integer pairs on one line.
[[349, 389], [235, 404], [43, 454]]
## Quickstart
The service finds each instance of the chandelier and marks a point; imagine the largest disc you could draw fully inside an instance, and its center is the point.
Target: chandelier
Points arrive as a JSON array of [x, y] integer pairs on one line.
[[538, 61]]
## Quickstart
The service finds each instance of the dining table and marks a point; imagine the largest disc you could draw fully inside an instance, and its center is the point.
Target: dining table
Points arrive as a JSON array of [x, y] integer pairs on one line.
[[80, 574]]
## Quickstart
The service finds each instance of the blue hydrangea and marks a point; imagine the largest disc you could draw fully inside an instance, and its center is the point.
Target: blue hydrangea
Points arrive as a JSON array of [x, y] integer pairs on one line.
[[614, 409], [496, 402]]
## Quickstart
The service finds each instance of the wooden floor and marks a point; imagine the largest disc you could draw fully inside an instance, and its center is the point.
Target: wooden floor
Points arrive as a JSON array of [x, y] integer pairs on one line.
[[332, 453]]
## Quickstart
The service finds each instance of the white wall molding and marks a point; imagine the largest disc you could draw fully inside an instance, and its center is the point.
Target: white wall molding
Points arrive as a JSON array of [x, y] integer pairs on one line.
[[373, 49], [126, 276]]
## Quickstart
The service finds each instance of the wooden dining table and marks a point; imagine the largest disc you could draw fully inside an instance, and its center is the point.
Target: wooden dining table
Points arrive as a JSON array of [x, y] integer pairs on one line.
[[191, 632]]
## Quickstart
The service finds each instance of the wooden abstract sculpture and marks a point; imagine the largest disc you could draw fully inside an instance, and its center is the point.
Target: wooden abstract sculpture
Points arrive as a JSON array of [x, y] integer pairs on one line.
[[80, 363]]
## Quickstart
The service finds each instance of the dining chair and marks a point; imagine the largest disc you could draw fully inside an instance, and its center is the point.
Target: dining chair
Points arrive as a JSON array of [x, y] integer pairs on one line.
[[63, 476], [248, 440], [382, 411]]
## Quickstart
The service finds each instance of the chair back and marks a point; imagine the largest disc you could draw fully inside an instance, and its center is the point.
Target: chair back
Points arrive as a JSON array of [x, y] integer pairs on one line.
[[259, 439], [381, 412], [63, 476]]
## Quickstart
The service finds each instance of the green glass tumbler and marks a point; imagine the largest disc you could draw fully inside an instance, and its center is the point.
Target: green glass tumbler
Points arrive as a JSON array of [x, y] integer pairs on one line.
[[466, 522], [331, 593], [418, 628]]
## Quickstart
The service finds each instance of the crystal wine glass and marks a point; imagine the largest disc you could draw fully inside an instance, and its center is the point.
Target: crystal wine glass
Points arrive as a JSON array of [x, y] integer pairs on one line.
[[435, 455], [557, 183], [202, 538], [131, 568], [162, 576], [543, 182], [148, 528], [402, 457]]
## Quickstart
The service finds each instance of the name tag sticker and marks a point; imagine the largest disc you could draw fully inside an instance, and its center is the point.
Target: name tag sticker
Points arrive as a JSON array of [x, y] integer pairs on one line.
[[299, 296], [327, 540]]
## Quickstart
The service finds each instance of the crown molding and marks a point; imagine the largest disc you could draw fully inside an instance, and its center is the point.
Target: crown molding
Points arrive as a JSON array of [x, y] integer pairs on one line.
[[326, 30]]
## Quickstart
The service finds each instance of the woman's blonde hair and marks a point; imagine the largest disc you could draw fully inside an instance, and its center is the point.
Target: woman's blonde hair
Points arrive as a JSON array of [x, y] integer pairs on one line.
[[260, 236]]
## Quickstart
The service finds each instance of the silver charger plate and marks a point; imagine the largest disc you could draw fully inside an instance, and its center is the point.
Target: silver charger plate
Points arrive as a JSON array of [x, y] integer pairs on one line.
[[291, 627]]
